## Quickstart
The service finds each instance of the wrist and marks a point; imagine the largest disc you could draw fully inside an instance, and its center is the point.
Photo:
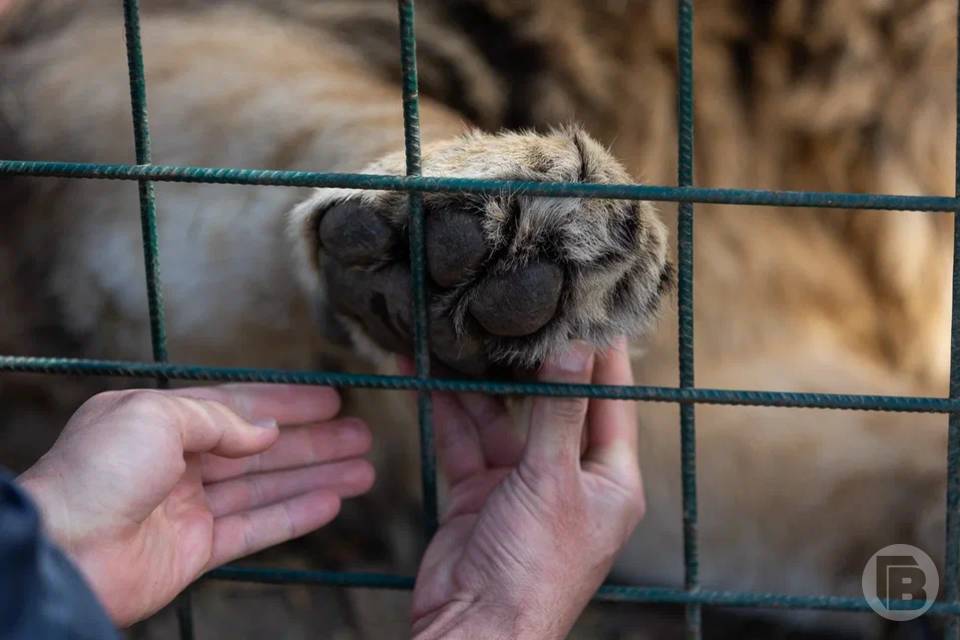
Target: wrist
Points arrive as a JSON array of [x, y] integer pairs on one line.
[[465, 620], [46, 493], [43, 493]]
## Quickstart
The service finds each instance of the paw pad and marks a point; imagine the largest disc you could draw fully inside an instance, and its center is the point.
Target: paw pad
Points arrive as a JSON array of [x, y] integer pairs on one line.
[[510, 278], [519, 302]]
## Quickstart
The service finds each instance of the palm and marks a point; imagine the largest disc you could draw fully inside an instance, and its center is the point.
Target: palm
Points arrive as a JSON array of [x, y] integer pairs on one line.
[[163, 529], [182, 526], [172, 545], [496, 518], [520, 512], [161, 490]]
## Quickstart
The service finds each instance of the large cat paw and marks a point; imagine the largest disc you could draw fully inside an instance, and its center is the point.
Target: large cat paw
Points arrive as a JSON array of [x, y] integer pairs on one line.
[[511, 278]]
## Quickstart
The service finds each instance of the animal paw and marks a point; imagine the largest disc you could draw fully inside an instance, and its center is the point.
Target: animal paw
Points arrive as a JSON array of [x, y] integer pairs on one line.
[[511, 278]]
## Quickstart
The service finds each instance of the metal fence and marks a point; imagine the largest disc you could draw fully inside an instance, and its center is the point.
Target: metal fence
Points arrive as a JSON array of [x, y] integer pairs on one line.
[[686, 394]]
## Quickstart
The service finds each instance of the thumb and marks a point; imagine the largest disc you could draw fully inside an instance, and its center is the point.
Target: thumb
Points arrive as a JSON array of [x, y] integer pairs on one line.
[[207, 426], [556, 424]]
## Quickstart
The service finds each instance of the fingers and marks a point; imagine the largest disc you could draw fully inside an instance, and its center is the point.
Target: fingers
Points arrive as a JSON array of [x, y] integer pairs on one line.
[[285, 403], [612, 432], [297, 447], [556, 424], [345, 479], [205, 426], [458, 444], [218, 419], [474, 431], [200, 426], [241, 534], [501, 443]]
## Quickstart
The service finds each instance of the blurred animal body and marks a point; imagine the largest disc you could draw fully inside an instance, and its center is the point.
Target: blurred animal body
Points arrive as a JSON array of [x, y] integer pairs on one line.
[[852, 95]]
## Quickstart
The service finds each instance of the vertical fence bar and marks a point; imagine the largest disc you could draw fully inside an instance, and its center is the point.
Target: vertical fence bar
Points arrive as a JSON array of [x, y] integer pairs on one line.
[[951, 578], [688, 452], [411, 135], [148, 229], [148, 209]]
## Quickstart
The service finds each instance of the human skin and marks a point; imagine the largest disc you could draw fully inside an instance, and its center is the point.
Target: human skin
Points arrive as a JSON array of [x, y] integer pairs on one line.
[[146, 490], [169, 484], [531, 528]]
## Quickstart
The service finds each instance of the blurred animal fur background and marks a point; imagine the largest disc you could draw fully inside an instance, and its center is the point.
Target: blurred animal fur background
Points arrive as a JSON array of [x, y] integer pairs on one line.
[[844, 95]]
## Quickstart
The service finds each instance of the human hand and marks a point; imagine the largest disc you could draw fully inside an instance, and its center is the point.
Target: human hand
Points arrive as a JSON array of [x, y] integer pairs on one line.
[[146, 490], [532, 528]]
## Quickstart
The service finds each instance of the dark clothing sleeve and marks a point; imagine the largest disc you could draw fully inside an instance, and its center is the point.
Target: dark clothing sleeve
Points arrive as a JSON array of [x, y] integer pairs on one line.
[[42, 595]]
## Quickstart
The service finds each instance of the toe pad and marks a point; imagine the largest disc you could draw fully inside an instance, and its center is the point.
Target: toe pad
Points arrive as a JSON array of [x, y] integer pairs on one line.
[[355, 235]]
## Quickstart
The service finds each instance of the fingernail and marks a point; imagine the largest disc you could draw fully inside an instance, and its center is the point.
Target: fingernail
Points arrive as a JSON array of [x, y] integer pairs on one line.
[[575, 359], [266, 423]]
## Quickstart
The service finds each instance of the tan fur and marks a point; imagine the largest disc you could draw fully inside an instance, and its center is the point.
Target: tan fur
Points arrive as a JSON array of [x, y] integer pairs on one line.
[[852, 96], [584, 236]]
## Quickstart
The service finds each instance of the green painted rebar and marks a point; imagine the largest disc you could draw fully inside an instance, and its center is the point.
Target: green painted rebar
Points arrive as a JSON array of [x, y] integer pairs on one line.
[[656, 193], [688, 436], [699, 395], [421, 345], [148, 207], [951, 574], [282, 575], [606, 593], [148, 229]]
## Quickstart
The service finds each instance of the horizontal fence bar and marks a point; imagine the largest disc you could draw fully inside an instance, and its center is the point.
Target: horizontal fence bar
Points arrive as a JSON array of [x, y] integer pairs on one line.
[[606, 593], [266, 177], [280, 575], [699, 395]]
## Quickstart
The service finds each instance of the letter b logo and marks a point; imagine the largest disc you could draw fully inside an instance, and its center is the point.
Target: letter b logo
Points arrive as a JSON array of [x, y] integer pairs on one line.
[[900, 582]]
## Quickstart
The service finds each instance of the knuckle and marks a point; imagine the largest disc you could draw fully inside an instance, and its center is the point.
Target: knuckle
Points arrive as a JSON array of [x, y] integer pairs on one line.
[[146, 408], [248, 531], [568, 410], [255, 489], [141, 401], [289, 522], [101, 401], [229, 397]]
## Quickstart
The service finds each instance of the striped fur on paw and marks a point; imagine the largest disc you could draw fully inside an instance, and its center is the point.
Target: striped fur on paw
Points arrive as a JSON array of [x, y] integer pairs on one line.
[[511, 277]]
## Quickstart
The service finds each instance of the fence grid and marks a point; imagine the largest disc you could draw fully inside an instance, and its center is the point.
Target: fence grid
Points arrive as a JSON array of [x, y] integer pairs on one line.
[[686, 394]]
